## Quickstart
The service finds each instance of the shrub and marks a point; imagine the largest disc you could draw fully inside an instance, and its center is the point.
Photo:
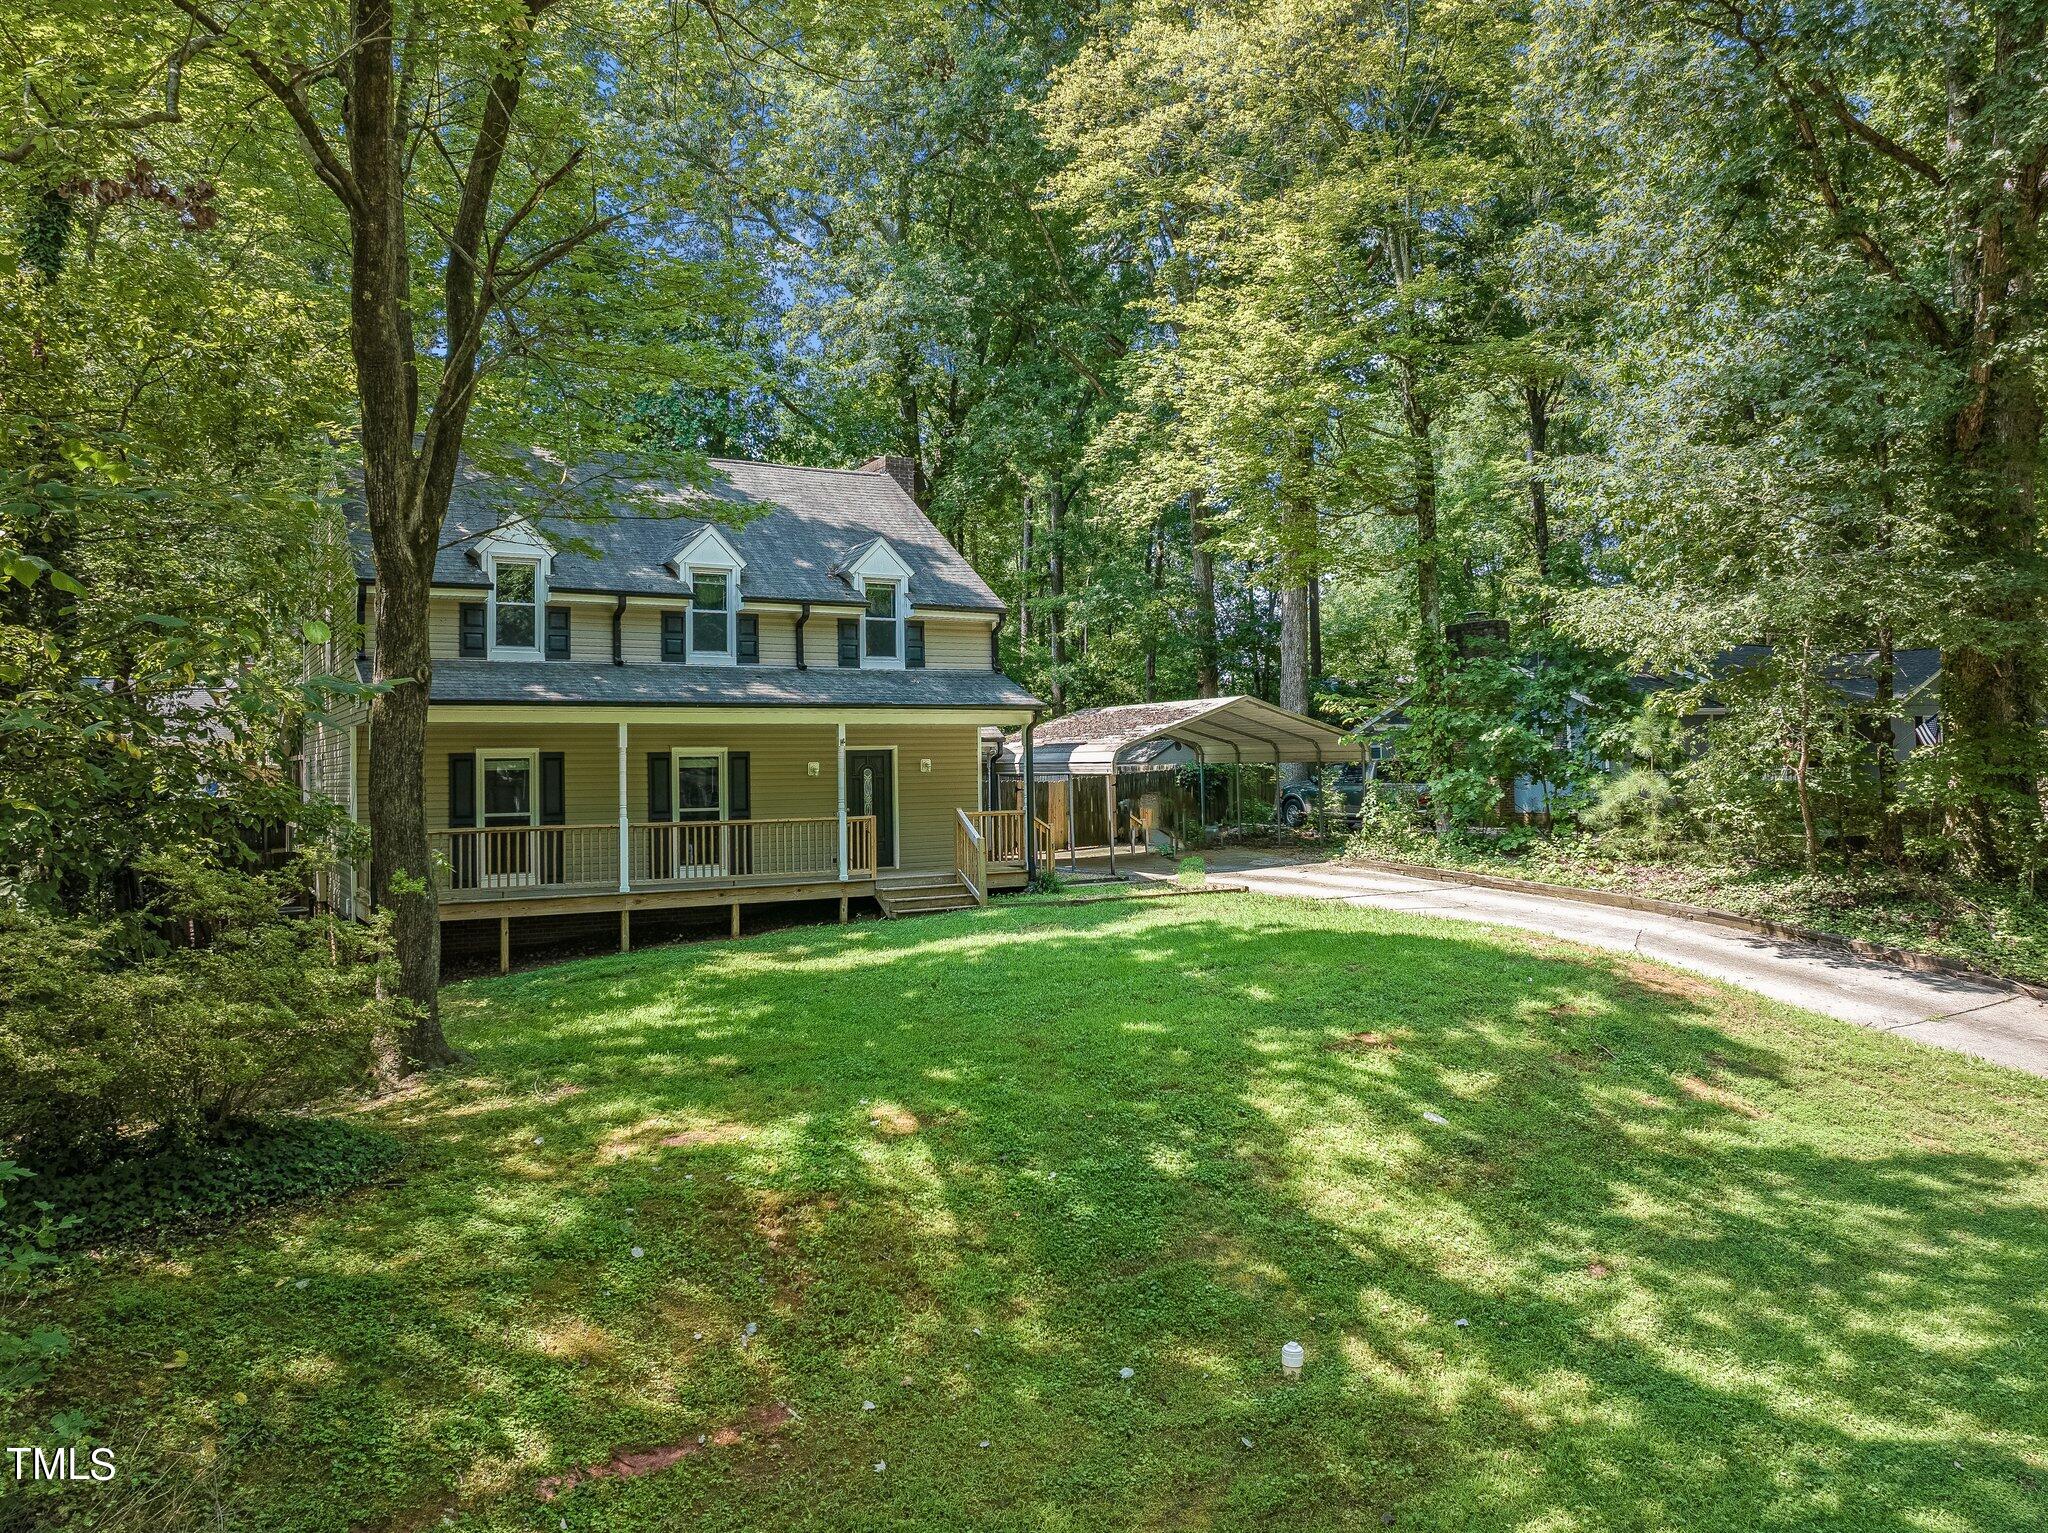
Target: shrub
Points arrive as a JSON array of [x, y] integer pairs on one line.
[[1637, 799], [1194, 873], [248, 1166], [109, 1033], [25, 1244]]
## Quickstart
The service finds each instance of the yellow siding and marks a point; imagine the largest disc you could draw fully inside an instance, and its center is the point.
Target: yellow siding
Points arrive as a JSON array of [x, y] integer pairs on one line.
[[779, 758], [954, 644]]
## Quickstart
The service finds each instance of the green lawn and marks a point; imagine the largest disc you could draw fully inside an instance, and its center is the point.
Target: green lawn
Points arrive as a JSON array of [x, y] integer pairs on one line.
[[1725, 1266]]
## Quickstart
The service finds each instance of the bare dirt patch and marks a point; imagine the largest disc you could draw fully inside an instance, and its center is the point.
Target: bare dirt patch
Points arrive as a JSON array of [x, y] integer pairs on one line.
[[1362, 1043], [891, 1121], [1666, 984], [631, 1464], [649, 1134]]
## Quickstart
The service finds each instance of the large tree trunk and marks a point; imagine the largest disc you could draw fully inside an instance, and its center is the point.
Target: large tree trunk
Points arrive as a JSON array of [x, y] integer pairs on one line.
[[1891, 836], [1202, 563], [403, 531], [1056, 590], [1294, 678], [1536, 399]]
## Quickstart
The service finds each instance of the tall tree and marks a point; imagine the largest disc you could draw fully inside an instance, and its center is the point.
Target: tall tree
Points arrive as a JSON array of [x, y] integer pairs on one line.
[[484, 220], [1906, 142]]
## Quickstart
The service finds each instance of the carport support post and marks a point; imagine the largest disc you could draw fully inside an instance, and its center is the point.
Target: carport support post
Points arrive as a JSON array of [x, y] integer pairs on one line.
[[1109, 793], [1202, 792], [1030, 808]]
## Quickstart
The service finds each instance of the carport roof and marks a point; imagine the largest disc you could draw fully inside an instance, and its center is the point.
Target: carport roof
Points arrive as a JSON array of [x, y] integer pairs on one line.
[[1220, 728]]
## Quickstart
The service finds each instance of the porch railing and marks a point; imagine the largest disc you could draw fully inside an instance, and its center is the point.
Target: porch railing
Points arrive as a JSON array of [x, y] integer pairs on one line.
[[497, 860], [970, 857], [1001, 832], [525, 856]]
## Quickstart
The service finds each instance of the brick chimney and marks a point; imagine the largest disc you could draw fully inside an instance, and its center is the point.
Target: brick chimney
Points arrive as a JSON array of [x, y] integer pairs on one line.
[[902, 470]]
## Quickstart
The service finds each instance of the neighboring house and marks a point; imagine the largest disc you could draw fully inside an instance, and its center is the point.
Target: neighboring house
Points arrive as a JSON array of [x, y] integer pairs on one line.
[[639, 711], [1915, 722]]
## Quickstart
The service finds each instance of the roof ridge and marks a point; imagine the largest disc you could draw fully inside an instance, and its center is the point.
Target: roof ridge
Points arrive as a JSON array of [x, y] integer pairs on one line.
[[808, 468]]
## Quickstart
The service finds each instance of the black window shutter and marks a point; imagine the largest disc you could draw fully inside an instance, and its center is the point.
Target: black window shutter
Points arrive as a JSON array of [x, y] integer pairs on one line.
[[913, 645], [849, 641], [750, 638], [672, 637], [472, 630], [551, 795], [558, 633], [660, 785], [461, 790], [739, 787]]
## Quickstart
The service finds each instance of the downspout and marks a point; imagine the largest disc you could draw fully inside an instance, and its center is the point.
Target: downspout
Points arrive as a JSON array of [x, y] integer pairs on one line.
[[362, 619], [802, 618], [619, 632], [995, 649]]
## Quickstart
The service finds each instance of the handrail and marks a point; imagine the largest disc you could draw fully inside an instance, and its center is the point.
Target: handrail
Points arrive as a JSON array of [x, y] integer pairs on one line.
[[970, 857], [1044, 830], [861, 859]]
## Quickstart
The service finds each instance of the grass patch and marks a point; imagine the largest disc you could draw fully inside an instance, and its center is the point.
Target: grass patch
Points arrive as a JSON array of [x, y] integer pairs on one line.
[[1721, 1265]]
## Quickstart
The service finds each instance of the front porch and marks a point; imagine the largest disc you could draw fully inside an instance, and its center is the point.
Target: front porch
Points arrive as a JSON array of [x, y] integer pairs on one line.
[[534, 817]]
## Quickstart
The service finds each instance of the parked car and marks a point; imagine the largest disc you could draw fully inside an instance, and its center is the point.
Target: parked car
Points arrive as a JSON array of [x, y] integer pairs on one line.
[[1300, 802]]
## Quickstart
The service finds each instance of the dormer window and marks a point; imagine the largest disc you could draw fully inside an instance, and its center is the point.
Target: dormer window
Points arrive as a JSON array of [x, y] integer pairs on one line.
[[515, 596], [711, 615], [882, 628]]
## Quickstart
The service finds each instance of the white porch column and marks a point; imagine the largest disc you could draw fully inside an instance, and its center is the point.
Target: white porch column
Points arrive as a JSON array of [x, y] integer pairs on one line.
[[625, 816], [842, 803]]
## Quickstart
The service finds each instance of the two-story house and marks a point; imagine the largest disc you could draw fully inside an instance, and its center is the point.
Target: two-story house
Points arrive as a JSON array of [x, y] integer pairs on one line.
[[636, 705]]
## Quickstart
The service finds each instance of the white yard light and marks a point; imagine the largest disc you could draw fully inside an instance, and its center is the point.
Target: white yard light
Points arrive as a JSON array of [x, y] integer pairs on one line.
[[1291, 1357]]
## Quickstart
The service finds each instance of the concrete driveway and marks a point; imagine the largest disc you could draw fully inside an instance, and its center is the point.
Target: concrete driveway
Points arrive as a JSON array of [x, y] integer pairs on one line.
[[1968, 1017]]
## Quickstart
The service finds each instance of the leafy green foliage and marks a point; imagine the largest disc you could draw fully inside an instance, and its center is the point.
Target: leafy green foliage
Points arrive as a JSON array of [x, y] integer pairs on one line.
[[248, 1165], [109, 1033]]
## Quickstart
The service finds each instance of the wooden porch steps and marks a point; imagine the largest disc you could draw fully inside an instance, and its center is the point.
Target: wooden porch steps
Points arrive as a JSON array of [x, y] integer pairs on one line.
[[923, 894]]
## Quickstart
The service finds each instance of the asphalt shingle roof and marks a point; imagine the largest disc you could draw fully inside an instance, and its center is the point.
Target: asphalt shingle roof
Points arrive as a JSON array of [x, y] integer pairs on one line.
[[763, 686], [614, 530]]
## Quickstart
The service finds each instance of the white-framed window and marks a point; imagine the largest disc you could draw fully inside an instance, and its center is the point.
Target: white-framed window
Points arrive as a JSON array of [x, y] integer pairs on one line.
[[515, 605], [881, 630], [712, 616]]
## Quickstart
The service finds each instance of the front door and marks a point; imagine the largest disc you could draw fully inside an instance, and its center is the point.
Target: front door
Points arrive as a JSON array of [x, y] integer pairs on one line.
[[508, 805], [871, 789], [700, 802]]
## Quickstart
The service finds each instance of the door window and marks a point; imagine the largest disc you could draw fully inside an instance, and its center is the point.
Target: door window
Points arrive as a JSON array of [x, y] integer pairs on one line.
[[697, 788], [508, 790]]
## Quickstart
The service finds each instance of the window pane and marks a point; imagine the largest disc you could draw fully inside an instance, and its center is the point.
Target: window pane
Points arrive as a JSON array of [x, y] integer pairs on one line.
[[507, 786], [708, 632], [707, 589], [882, 638], [515, 626], [697, 788], [881, 599], [515, 582]]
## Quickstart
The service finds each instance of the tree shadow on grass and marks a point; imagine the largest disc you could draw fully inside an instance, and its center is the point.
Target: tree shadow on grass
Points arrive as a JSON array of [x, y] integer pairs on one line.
[[1130, 1136]]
